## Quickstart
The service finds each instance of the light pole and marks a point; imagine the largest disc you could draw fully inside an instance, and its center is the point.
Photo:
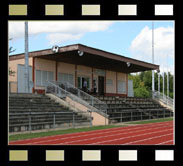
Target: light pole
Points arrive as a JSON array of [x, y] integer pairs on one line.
[[152, 59], [26, 74]]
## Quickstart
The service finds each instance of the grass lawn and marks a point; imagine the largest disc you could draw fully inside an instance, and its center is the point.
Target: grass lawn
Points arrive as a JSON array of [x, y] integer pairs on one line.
[[58, 132], [151, 121]]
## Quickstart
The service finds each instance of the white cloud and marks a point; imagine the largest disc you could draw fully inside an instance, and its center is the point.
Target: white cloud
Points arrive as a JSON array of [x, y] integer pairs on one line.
[[65, 30], [141, 46]]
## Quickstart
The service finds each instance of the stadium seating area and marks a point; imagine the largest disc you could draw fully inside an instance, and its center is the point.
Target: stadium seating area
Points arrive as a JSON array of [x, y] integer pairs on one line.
[[29, 112], [35, 111], [121, 109]]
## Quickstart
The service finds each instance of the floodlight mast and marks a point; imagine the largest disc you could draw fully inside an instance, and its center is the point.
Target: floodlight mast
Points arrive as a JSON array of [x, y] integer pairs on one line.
[[26, 74], [152, 59]]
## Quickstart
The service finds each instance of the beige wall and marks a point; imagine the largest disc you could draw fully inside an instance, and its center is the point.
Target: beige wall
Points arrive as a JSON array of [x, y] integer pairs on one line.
[[122, 77], [85, 72], [112, 76], [45, 65], [13, 65], [65, 68]]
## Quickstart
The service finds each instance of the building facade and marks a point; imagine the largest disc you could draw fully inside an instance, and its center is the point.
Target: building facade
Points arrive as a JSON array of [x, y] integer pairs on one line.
[[110, 71]]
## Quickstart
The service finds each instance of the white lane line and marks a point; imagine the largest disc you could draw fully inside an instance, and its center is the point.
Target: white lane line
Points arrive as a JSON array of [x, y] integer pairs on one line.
[[147, 139], [130, 137], [65, 138], [113, 136], [165, 142], [100, 130]]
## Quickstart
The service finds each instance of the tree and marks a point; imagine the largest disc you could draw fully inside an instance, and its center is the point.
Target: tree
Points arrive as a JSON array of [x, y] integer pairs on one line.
[[142, 83]]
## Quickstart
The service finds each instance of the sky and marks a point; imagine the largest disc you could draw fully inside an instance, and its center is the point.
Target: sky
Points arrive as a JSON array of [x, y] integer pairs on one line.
[[128, 38]]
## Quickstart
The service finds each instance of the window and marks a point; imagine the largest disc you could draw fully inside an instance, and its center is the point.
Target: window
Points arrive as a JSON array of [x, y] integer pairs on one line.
[[64, 77], [81, 82], [109, 82], [38, 77], [42, 77], [121, 86]]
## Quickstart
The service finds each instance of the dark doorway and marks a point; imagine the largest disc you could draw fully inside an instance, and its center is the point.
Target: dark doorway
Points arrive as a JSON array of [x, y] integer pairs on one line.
[[101, 85]]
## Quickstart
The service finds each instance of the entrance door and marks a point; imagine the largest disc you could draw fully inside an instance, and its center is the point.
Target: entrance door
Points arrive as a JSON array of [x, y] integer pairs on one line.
[[101, 85], [21, 79]]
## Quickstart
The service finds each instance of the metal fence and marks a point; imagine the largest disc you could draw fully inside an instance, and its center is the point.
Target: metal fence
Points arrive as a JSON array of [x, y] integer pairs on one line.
[[163, 98], [46, 120], [141, 115], [63, 89]]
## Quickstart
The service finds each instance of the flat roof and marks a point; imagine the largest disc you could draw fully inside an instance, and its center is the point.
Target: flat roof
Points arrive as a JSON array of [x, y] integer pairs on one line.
[[92, 57]]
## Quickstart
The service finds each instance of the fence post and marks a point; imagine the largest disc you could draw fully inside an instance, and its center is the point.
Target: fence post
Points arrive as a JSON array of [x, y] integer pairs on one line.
[[149, 114], [30, 127], [105, 117], [164, 114], [73, 119], [141, 115], [92, 101], [54, 120], [121, 117], [90, 118], [79, 94], [131, 116]]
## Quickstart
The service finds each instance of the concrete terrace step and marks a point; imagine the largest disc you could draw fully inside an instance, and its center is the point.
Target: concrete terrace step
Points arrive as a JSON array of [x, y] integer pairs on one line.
[[38, 110]]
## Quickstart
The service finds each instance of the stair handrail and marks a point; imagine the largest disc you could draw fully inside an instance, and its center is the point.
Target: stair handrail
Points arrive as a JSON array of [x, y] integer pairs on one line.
[[58, 90], [93, 101], [163, 98]]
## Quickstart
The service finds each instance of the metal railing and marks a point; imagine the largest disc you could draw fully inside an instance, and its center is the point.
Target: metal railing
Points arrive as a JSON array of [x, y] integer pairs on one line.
[[163, 98], [29, 121], [131, 115], [63, 89]]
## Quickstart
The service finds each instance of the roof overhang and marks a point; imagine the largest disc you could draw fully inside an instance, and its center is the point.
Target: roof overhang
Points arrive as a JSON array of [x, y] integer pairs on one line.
[[92, 57]]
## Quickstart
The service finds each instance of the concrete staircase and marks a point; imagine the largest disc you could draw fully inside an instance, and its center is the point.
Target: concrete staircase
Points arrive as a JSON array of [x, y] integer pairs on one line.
[[36, 112]]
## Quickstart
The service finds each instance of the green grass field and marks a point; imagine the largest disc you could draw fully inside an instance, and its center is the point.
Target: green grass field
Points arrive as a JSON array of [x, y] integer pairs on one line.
[[151, 121], [58, 132], [74, 130]]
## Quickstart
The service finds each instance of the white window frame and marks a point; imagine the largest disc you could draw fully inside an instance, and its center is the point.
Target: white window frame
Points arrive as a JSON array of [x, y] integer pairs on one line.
[[42, 83], [121, 87]]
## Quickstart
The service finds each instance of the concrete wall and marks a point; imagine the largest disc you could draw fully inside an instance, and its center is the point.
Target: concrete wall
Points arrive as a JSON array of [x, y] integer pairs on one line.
[[97, 118], [13, 65]]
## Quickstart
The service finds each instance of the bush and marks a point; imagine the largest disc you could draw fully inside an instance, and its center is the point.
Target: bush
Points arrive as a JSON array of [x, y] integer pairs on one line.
[[141, 92]]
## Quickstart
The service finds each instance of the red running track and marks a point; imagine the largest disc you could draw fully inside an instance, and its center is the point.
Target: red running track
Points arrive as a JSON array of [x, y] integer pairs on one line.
[[146, 134]]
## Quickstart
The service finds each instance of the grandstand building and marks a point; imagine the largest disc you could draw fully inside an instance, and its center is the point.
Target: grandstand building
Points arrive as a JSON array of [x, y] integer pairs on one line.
[[57, 96], [74, 64]]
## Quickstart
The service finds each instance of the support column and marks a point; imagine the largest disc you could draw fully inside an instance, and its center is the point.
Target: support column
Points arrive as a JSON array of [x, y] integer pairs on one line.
[[105, 87], [116, 83], [127, 84], [33, 74], [75, 75], [92, 78], [56, 71]]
